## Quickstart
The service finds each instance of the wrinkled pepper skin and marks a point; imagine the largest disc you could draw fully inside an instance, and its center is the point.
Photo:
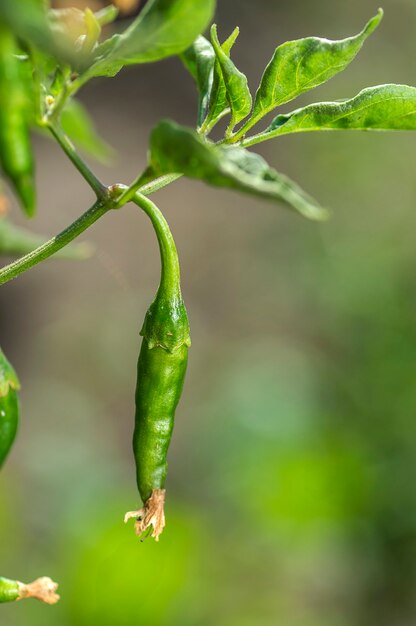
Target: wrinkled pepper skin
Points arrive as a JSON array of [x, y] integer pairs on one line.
[[9, 407], [160, 377], [16, 157]]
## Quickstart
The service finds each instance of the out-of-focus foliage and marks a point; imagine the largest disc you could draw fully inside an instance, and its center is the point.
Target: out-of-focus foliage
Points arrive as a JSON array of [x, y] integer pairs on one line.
[[79, 126]]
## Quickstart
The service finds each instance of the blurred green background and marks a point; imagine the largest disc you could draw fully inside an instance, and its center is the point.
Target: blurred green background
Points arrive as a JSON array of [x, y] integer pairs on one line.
[[291, 495]]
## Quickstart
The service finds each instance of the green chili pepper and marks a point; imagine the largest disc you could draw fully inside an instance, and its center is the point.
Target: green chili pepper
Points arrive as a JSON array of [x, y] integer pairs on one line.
[[161, 371], [9, 406], [16, 157], [43, 589]]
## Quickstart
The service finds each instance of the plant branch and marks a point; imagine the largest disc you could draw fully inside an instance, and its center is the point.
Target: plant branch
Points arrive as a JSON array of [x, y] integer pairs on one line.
[[147, 188], [67, 146], [158, 183], [49, 248], [114, 198], [240, 134], [253, 139]]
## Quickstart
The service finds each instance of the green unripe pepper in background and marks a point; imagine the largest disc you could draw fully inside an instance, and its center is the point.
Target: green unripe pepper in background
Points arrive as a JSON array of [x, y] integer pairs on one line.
[[16, 158], [9, 590], [43, 589], [9, 406], [161, 372]]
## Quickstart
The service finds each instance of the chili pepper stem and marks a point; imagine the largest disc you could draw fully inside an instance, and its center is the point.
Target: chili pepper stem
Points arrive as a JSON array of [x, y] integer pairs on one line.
[[43, 589], [100, 208], [170, 273], [151, 514]]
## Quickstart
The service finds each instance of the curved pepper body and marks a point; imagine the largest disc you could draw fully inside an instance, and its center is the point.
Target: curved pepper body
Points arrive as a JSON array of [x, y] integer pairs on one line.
[[9, 407], [161, 372], [160, 378], [16, 156]]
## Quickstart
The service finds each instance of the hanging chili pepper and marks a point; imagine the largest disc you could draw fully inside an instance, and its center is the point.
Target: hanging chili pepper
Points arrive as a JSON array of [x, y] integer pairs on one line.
[[160, 376], [16, 158]]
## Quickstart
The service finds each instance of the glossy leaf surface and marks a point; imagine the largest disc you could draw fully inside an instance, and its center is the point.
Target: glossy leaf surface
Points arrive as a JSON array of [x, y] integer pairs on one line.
[[384, 107], [174, 148], [199, 59], [300, 65], [218, 103], [163, 28], [236, 86]]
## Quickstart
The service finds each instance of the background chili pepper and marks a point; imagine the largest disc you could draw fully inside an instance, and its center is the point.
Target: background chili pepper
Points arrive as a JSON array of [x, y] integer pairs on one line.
[[43, 589], [9, 406], [16, 157]]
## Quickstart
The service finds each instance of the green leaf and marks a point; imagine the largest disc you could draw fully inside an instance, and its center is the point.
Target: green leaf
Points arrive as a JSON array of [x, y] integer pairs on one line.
[[218, 103], [16, 241], [175, 149], [384, 107], [28, 19], [237, 91], [162, 29], [298, 66], [79, 127], [199, 59]]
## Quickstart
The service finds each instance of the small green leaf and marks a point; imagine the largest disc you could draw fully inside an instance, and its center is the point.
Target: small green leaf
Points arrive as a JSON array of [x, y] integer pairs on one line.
[[237, 91], [218, 103], [300, 65], [175, 149], [162, 29], [199, 59], [79, 127], [384, 107]]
